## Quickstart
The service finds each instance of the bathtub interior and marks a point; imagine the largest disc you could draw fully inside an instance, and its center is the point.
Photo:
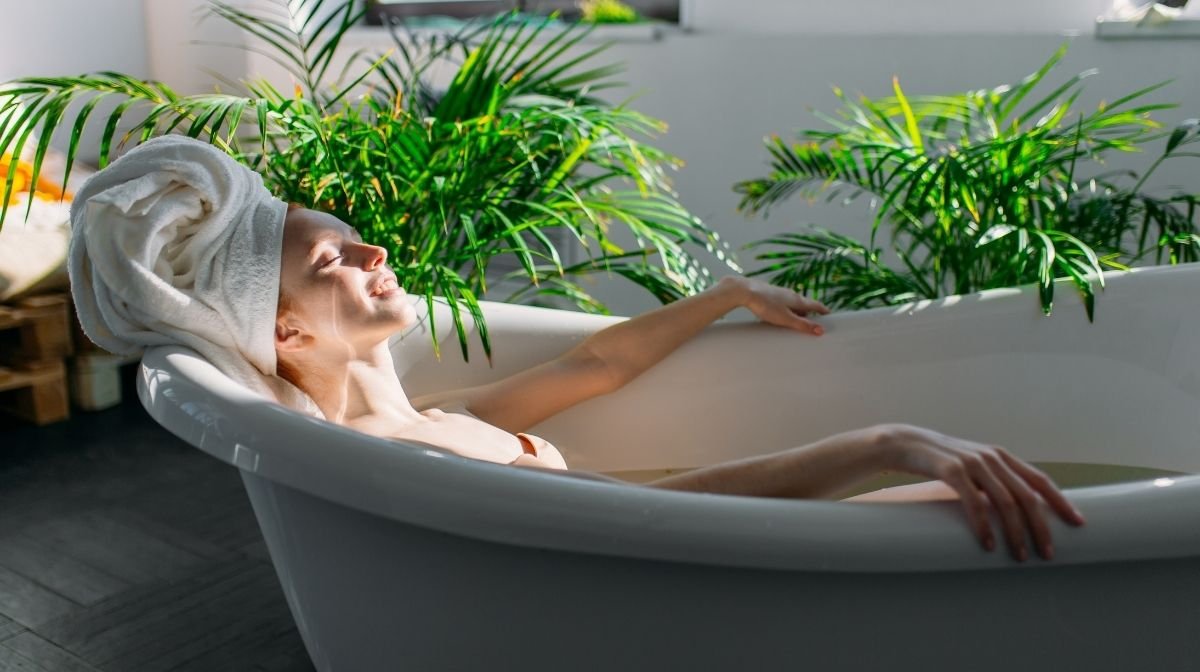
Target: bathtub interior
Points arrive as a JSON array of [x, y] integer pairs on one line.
[[986, 367], [1056, 390]]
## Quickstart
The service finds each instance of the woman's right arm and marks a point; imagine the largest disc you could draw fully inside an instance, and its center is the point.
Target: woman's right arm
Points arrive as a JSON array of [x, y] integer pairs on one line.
[[979, 473], [817, 471]]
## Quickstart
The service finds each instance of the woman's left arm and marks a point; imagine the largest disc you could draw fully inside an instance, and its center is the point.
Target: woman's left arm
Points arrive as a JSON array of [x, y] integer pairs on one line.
[[611, 357], [630, 348]]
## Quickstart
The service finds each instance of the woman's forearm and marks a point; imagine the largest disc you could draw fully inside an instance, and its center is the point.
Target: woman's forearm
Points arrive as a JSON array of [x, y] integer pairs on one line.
[[630, 347], [819, 470]]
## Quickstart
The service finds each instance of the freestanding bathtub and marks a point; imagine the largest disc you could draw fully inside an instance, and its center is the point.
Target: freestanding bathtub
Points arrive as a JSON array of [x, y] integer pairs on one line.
[[396, 557]]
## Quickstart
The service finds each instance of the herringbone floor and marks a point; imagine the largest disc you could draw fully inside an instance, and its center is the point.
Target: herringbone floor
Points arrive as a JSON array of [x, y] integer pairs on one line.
[[122, 549]]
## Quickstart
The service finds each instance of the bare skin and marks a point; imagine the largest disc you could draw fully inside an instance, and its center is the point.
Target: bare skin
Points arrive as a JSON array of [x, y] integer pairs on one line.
[[342, 303]]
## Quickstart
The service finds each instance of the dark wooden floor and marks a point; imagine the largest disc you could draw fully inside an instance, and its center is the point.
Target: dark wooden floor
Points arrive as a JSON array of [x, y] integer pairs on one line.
[[124, 550]]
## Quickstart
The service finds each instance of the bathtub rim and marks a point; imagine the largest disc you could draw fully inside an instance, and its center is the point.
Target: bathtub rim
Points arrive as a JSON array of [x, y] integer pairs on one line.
[[530, 508]]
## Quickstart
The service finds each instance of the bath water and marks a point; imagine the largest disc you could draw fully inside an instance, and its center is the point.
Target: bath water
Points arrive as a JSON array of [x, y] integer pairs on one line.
[[1065, 474]]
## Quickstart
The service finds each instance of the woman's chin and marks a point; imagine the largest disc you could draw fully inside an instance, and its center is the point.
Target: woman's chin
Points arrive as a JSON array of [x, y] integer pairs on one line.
[[394, 307], [406, 315], [387, 321]]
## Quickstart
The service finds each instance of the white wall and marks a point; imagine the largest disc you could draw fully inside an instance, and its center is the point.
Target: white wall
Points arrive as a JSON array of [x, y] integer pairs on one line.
[[69, 37], [190, 50], [195, 51]]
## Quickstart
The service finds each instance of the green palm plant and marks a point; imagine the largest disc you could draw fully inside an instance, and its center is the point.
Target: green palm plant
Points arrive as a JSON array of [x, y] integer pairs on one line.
[[515, 146], [979, 190]]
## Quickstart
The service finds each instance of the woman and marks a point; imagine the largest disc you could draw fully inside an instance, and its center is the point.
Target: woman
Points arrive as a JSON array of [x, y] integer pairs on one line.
[[177, 243], [340, 302]]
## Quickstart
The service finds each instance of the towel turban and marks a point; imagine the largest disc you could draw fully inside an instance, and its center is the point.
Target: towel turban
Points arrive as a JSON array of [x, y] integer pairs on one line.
[[177, 243]]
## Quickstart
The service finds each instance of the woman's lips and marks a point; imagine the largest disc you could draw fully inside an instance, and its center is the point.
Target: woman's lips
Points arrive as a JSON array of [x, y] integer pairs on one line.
[[386, 289]]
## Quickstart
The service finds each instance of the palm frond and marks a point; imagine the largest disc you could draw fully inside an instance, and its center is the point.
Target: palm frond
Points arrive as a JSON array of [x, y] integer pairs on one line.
[[979, 189]]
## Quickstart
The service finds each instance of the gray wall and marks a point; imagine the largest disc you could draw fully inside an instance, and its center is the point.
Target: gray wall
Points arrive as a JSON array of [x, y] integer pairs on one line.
[[60, 37], [70, 37], [723, 93]]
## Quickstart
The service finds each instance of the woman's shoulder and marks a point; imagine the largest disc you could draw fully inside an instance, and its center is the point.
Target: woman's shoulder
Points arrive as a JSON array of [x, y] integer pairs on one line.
[[542, 449], [531, 444]]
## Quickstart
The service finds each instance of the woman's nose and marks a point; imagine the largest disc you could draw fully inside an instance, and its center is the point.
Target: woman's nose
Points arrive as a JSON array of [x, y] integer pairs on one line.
[[374, 256]]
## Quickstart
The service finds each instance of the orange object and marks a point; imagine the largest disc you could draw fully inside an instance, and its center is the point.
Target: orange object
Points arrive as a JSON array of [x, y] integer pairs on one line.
[[46, 190]]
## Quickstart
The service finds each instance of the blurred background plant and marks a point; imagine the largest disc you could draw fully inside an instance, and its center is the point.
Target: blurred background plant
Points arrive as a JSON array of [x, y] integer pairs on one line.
[[515, 147], [982, 189], [607, 11]]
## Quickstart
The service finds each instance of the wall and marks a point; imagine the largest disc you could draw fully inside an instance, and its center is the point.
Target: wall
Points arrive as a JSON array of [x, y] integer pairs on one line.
[[723, 93], [742, 71], [69, 37], [190, 50], [746, 70], [58, 37], [873, 17]]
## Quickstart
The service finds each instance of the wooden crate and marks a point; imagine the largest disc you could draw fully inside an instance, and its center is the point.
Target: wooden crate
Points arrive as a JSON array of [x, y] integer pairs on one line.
[[36, 329], [35, 337], [37, 394]]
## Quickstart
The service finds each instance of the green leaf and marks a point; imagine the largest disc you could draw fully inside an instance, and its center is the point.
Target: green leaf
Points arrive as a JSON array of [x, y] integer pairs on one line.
[[910, 121], [1187, 131]]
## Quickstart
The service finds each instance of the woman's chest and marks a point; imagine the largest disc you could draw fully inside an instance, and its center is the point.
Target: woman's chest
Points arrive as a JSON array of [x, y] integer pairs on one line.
[[476, 439]]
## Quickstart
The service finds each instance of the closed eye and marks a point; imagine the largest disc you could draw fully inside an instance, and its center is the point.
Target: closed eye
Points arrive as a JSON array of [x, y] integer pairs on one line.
[[330, 261]]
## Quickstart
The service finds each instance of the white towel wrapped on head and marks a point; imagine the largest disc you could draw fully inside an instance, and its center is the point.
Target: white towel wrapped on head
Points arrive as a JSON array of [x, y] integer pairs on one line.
[[176, 242]]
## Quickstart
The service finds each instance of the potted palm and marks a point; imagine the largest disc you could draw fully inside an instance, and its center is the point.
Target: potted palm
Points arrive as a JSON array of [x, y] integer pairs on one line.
[[515, 147], [977, 190]]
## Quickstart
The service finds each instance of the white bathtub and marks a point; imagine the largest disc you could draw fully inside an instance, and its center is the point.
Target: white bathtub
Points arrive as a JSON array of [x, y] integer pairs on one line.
[[394, 557]]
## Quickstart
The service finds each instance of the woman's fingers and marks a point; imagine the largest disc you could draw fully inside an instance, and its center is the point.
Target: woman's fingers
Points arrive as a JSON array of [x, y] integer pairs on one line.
[[1012, 486], [1029, 502], [1005, 503], [811, 306], [974, 503], [802, 309], [807, 305], [810, 326], [1045, 487], [786, 308], [804, 325]]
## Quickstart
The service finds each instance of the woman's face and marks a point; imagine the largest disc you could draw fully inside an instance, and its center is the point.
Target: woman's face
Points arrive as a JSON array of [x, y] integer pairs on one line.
[[335, 290]]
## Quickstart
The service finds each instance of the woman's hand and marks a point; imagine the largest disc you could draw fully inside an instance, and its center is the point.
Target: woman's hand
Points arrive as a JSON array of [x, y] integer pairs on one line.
[[778, 305], [975, 472], [979, 473]]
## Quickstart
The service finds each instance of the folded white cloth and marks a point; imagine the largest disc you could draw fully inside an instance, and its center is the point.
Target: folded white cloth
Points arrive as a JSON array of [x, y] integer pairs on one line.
[[176, 242]]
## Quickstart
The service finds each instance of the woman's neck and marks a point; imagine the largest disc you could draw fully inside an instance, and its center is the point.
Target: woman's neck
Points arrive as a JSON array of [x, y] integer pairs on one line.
[[357, 388]]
